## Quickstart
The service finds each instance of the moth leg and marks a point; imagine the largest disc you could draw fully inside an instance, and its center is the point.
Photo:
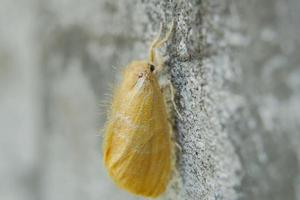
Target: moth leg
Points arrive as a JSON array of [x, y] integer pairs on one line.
[[178, 146], [155, 57], [173, 99], [171, 89]]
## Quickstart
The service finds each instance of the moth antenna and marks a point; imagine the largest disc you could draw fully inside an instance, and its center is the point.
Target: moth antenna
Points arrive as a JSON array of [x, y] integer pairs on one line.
[[153, 44], [157, 43]]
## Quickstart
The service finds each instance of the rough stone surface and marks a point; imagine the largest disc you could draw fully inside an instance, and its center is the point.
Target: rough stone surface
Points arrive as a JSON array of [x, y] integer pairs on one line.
[[235, 66]]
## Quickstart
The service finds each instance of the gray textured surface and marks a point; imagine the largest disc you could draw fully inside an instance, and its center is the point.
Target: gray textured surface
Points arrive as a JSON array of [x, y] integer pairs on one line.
[[235, 66]]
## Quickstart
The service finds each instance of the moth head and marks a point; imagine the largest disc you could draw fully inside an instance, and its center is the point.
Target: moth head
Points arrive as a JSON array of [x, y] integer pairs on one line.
[[139, 74]]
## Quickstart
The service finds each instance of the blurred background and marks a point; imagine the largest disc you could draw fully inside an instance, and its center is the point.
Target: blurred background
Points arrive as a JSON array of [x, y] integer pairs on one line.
[[60, 58], [57, 61]]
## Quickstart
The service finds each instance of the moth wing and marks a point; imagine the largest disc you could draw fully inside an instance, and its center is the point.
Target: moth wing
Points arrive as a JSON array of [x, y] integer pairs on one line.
[[138, 149]]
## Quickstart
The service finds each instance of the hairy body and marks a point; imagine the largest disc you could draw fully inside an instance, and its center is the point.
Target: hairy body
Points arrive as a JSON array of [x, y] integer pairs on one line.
[[137, 144]]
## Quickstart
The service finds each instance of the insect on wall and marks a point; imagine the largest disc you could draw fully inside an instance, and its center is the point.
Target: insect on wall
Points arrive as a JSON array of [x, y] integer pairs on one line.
[[138, 150]]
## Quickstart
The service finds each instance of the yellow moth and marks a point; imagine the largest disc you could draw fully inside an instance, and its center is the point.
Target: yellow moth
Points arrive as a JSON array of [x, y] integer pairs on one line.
[[137, 143]]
